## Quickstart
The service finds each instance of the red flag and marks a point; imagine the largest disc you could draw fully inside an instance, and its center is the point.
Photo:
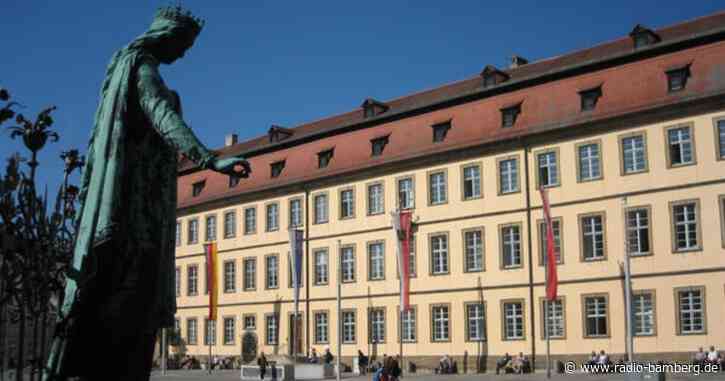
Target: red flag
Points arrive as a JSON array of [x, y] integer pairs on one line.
[[211, 254], [552, 280], [402, 222]]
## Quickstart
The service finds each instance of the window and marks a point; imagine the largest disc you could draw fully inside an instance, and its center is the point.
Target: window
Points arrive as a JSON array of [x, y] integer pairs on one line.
[[272, 324], [643, 36], [321, 269], [321, 328], [178, 281], [409, 329], [377, 326], [439, 254], [440, 131], [250, 322], [276, 168], [680, 146], [589, 98], [209, 332], [375, 199], [376, 261], [347, 203], [323, 158], [210, 228], [230, 224], [177, 326], [234, 181], [272, 217], [348, 263], [508, 174], [592, 233], [250, 220], [229, 331], [192, 279], [406, 193], [193, 235], [513, 320], [643, 310], [548, 172], [555, 319], [509, 115], [595, 316], [589, 163], [272, 271], [178, 233], [230, 276], [511, 246], [348, 327], [440, 323], [378, 145], [720, 137], [437, 188], [191, 331], [556, 227], [250, 274], [638, 231], [473, 241], [686, 233], [320, 201], [196, 188], [471, 181], [475, 322], [677, 78], [690, 310], [634, 154], [295, 213]]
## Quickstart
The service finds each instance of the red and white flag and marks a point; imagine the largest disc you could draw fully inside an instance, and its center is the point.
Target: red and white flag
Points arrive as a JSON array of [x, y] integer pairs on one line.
[[402, 222], [552, 280]]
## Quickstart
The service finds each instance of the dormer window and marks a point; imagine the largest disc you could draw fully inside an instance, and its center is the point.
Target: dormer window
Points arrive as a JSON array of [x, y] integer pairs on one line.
[[492, 76], [643, 36], [677, 78], [590, 97], [324, 157], [372, 108], [509, 115], [378, 145], [276, 168], [440, 131], [233, 181], [197, 187], [277, 133]]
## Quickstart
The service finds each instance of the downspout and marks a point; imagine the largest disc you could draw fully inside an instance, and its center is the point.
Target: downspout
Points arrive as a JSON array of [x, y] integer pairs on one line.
[[529, 248], [307, 271]]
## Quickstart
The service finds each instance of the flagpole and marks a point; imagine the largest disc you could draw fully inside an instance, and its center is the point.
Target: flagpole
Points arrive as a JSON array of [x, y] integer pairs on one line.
[[627, 286], [339, 310]]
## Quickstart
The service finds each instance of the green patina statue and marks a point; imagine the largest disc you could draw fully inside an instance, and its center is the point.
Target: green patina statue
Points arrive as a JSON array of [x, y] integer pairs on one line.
[[121, 286]]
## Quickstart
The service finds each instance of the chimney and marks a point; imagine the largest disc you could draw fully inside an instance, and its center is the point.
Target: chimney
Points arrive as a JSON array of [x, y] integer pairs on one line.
[[230, 140], [517, 61]]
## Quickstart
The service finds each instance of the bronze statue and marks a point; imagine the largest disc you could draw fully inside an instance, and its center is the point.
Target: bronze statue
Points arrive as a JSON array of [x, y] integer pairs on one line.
[[121, 287]]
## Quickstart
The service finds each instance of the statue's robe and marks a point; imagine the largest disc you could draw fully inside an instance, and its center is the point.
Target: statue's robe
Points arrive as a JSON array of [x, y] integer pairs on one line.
[[127, 223]]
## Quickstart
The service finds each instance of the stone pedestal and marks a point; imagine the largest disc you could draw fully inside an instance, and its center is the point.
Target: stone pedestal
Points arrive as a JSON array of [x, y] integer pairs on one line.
[[276, 372], [314, 371]]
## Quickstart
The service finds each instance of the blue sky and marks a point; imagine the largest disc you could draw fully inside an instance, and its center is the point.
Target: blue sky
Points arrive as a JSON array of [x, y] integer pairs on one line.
[[260, 63]]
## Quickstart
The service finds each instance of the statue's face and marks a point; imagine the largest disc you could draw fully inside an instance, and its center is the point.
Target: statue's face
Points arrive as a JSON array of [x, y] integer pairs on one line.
[[174, 48]]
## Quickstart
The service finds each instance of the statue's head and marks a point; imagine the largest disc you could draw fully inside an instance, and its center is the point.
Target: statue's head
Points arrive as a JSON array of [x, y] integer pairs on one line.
[[170, 35]]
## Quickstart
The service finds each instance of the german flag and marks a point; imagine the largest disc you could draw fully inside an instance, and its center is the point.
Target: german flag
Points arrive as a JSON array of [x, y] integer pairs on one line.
[[211, 259]]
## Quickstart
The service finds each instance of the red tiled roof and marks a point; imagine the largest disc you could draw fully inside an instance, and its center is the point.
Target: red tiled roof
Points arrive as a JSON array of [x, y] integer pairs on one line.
[[626, 88]]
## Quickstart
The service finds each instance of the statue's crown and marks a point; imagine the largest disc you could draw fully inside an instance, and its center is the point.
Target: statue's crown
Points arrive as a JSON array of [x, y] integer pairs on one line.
[[181, 16]]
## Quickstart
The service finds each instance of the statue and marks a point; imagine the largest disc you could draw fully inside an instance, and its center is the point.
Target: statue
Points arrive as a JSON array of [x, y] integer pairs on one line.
[[121, 288]]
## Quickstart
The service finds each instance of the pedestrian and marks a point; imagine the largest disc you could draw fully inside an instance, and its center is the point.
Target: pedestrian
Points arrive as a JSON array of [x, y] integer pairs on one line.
[[262, 362]]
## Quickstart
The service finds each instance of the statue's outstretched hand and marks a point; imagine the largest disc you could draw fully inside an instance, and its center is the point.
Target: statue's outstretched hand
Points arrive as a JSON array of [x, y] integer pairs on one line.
[[233, 166]]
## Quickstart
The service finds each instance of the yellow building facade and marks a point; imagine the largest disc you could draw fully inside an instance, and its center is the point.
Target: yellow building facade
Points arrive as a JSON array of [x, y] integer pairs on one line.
[[648, 183]]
